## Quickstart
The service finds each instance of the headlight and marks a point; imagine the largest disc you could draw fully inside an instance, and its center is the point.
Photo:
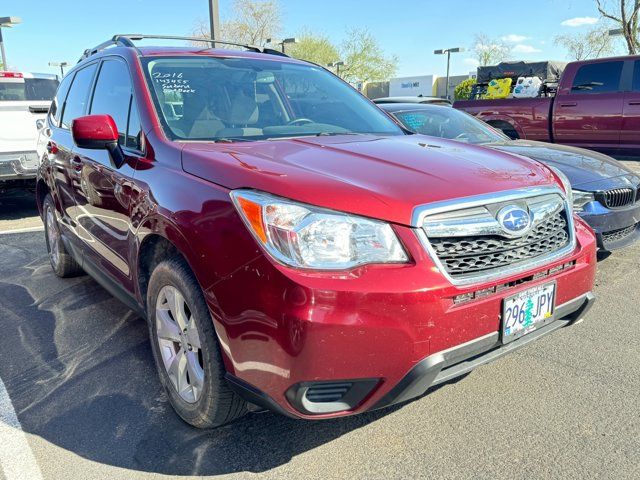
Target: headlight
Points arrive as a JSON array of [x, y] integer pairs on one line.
[[303, 236], [580, 199]]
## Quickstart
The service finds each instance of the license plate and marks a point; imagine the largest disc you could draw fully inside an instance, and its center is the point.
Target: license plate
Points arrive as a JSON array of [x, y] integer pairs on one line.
[[527, 311]]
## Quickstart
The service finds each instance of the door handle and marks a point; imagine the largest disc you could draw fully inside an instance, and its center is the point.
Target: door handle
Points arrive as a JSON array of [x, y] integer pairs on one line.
[[634, 103], [574, 104]]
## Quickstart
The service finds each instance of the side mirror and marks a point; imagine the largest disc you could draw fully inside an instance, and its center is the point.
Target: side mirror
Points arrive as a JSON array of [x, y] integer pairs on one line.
[[98, 132]]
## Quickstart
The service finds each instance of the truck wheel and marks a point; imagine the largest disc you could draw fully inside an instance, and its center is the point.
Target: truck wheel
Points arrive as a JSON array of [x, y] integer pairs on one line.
[[62, 263], [185, 348]]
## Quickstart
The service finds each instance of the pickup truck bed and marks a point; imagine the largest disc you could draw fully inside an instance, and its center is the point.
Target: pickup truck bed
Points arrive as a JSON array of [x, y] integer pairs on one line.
[[597, 106], [24, 99]]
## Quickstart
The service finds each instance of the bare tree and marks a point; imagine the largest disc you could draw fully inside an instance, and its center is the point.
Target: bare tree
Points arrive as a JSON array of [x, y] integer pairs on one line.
[[625, 15], [252, 22], [489, 51], [594, 44]]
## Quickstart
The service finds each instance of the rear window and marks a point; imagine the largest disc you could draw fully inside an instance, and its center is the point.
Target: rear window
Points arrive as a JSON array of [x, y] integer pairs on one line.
[[26, 89], [601, 77]]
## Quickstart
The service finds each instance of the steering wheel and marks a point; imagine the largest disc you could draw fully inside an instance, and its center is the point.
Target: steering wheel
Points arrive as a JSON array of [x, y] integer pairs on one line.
[[462, 136], [300, 121]]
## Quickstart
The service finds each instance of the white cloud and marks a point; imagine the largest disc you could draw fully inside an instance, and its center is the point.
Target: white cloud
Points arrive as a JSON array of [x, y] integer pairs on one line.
[[520, 48], [513, 38], [471, 61], [579, 21]]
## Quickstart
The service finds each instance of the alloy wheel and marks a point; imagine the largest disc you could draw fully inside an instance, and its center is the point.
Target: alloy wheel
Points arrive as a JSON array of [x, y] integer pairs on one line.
[[179, 342], [53, 237]]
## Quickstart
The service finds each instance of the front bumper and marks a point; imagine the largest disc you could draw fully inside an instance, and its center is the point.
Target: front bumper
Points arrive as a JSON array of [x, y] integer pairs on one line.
[[457, 361], [614, 228], [294, 336], [18, 166]]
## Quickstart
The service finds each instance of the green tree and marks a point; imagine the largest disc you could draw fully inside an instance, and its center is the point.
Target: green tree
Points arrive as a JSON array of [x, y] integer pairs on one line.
[[364, 59], [463, 89], [595, 43], [252, 22], [314, 48]]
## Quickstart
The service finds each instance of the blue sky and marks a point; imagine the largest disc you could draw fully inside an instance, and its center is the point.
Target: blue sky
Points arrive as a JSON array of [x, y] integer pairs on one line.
[[409, 29]]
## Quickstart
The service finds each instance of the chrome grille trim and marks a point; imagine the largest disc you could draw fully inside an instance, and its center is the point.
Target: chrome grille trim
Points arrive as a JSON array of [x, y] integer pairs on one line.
[[421, 214], [617, 197]]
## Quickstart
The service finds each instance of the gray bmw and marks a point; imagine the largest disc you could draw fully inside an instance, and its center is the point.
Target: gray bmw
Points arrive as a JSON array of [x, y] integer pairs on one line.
[[606, 194]]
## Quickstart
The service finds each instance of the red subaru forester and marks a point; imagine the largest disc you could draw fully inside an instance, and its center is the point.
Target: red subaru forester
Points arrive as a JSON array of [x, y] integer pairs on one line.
[[291, 246]]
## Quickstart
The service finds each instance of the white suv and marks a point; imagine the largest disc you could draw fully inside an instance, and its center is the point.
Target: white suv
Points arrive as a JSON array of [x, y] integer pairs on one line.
[[24, 99]]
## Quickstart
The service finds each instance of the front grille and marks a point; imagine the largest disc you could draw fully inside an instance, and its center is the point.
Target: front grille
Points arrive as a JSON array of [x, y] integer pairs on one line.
[[620, 234], [473, 255], [618, 197]]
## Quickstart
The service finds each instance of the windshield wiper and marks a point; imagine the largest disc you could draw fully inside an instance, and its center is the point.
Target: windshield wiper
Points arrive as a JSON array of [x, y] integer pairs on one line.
[[333, 134], [232, 140]]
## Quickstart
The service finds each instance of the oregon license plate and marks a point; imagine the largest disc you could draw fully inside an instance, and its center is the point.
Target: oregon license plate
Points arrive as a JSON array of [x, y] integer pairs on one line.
[[528, 310]]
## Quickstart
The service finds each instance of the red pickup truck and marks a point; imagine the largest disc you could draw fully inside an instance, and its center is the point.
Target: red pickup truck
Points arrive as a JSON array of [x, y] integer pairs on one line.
[[597, 106]]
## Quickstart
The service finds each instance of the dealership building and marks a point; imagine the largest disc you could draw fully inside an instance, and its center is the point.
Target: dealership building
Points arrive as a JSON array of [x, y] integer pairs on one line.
[[425, 85]]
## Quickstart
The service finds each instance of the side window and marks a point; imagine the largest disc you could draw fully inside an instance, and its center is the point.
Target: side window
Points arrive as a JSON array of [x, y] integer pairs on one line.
[[58, 101], [76, 103], [112, 95], [601, 77], [636, 77], [133, 130]]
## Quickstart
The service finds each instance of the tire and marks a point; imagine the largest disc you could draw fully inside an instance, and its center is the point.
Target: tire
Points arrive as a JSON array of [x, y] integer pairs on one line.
[[62, 263], [184, 343]]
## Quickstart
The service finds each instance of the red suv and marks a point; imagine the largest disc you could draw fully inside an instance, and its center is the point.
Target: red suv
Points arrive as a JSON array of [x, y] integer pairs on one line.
[[291, 246]]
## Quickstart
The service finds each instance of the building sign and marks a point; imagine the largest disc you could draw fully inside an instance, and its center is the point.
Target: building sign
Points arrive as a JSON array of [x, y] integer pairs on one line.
[[411, 86]]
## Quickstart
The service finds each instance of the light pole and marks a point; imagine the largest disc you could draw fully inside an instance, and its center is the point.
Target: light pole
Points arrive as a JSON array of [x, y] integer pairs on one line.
[[214, 20], [448, 52], [337, 65], [283, 42], [62, 65], [6, 22]]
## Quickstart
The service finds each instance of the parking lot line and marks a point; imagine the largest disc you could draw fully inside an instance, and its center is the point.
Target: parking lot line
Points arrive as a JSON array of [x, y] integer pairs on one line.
[[23, 230], [16, 458]]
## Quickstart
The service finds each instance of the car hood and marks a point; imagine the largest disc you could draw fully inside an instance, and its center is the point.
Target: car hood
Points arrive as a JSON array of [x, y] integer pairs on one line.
[[379, 177], [585, 169]]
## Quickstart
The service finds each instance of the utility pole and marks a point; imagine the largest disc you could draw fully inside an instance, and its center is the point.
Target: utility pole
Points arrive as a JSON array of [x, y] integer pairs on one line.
[[62, 65], [282, 43], [214, 20], [337, 66], [448, 52], [6, 22]]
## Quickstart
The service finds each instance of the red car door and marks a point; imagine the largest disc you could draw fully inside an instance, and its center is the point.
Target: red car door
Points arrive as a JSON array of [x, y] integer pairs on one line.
[[104, 191], [630, 135], [70, 102], [588, 113]]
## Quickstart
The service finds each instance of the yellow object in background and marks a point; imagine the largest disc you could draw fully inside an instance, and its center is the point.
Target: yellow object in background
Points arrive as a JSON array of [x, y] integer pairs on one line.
[[500, 88]]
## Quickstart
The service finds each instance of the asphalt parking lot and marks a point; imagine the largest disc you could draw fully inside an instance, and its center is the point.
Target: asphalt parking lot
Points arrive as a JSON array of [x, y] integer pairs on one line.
[[77, 368]]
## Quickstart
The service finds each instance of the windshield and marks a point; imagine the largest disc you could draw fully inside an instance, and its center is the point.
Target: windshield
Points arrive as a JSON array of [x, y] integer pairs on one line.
[[242, 99], [447, 122], [21, 89]]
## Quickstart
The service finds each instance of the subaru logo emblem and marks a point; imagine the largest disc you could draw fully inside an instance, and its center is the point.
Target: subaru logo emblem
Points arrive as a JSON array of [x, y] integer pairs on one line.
[[514, 220]]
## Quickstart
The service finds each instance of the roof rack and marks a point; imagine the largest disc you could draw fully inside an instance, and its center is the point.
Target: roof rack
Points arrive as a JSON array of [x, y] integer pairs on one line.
[[126, 40]]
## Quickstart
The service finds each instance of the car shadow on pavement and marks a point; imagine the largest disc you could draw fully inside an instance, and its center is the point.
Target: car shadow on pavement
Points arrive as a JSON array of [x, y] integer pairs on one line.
[[78, 367]]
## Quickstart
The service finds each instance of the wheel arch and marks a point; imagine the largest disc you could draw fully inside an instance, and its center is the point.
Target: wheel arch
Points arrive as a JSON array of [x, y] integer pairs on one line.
[[42, 189], [159, 239], [504, 123]]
